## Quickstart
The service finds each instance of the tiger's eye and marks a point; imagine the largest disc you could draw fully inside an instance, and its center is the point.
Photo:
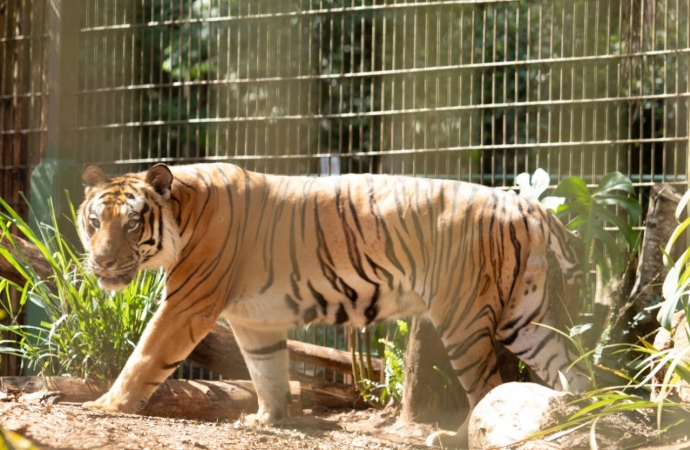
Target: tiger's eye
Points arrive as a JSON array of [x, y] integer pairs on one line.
[[132, 225], [94, 223]]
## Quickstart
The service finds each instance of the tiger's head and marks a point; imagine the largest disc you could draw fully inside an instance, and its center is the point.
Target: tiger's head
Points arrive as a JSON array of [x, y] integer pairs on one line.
[[126, 224]]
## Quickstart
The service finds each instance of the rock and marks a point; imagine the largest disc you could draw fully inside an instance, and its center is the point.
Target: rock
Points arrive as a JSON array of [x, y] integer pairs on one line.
[[666, 340], [512, 412], [680, 341]]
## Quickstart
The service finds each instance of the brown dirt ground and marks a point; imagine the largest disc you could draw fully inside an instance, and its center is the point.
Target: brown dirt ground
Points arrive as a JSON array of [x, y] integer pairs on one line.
[[68, 426]]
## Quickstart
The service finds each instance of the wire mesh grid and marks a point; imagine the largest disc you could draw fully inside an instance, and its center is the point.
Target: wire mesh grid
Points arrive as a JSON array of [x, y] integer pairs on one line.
[[23, 92], [470, 90]]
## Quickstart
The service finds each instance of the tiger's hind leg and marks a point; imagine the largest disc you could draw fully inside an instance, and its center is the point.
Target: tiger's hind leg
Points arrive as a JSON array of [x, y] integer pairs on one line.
[[470, 343], [266, 355], [526, 330]]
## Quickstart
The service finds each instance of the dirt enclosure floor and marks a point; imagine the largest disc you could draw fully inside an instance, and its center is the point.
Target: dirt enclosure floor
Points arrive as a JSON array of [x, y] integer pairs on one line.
[[68, 426]]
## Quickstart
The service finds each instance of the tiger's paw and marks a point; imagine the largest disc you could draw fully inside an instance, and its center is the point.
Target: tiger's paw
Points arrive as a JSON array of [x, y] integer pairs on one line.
[[264, 418], [107, 403], [451, 439], [447, 439]]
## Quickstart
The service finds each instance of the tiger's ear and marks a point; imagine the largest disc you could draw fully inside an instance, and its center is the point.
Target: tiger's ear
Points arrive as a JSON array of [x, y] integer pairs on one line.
[[92, 176], [160, 178]]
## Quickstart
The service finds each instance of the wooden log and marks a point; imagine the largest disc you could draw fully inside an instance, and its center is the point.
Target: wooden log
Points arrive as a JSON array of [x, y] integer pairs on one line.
[[317, 392], [27, 253], [329, 358], [219, 352], [197, 400]]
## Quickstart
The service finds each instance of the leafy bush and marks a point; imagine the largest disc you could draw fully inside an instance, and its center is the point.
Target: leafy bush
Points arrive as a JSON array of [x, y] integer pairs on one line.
[[88, 331], [677, 283], [378, 394], [588, 214]]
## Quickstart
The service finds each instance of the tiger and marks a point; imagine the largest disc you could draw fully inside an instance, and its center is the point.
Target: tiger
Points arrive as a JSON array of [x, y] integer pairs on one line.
[[269, 253]]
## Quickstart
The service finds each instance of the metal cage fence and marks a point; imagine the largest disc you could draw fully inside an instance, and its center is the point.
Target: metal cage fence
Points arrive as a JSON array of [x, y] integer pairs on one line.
[[462, 89], [472, 90]]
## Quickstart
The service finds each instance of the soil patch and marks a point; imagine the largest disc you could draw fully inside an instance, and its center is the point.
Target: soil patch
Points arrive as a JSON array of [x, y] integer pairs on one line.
[[68, 426]]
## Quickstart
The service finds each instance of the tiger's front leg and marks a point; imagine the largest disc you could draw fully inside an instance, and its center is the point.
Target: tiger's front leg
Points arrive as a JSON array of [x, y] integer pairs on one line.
[[266, 355], [167, 340]]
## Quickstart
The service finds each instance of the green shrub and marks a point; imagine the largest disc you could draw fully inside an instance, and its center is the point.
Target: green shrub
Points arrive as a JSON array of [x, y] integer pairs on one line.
[[89, 332], [392, 348]]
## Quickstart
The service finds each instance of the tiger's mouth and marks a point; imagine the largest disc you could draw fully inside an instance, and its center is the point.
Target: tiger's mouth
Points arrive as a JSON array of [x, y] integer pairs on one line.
[[113, 282]]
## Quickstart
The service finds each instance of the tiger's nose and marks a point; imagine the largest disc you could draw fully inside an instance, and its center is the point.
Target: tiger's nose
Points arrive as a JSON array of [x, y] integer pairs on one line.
[[105, 263]]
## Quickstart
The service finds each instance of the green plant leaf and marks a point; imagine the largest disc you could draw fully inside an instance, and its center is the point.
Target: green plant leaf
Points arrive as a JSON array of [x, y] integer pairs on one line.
[[630, 235], [614, 181], [629, 204], [680, 209], [573, 187]]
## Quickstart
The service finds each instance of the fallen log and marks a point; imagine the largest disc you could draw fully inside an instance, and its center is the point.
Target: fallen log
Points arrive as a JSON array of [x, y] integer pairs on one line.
[[180, 399], [219, 352], [25, 251], [317, 392]]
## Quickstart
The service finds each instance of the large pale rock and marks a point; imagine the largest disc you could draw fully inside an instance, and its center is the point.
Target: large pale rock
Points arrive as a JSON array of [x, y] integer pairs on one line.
[[676, 339], [512, 412]]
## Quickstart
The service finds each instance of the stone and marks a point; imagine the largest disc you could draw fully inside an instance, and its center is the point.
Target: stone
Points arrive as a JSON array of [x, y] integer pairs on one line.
[[676, 339], [511, 413]]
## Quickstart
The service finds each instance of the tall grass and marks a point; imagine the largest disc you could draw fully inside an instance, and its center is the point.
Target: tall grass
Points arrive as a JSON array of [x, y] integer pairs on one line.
[[88, 332]]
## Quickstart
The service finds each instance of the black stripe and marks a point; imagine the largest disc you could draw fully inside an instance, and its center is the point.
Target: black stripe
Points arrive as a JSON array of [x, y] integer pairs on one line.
[[292, 304], [341, 316], [171, 366], [278, 346], [318, 297]]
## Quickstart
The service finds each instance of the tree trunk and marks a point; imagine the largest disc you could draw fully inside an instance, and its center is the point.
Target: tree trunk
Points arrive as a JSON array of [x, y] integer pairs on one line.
[[432, 393], [660, 223]]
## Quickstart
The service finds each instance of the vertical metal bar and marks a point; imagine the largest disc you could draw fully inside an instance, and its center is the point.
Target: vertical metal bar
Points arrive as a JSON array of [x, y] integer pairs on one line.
[[403, 85], [383, 84]]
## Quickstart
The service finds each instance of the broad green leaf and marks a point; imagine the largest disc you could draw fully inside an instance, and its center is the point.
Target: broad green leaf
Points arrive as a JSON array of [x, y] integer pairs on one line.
[[680, 209], [614, 181], [676, 234], [573, 187], [629, 204], [630, 235]]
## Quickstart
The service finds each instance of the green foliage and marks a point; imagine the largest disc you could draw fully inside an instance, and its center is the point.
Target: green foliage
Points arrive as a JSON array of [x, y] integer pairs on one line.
[[9, 440], [394, 354], [188, 55], [589, 213], [378, 394], [632, 393], [89, 332], [677, 283]]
